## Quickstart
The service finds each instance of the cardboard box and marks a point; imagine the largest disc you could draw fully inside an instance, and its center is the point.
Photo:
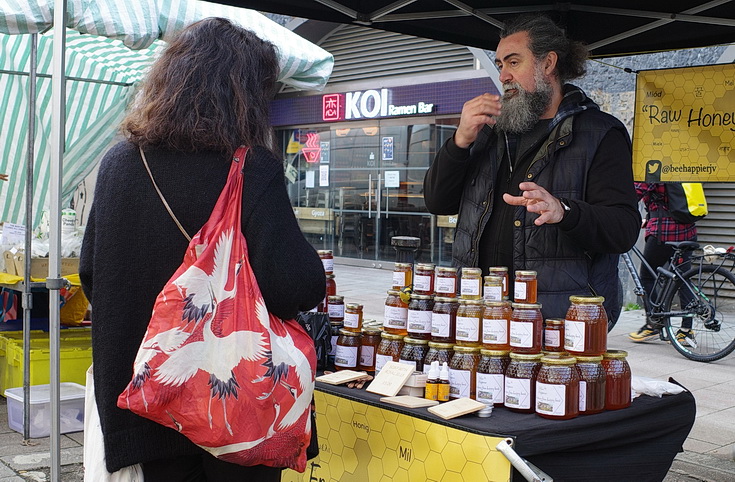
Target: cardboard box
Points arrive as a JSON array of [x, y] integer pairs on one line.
[[71, 409], [39, 266]]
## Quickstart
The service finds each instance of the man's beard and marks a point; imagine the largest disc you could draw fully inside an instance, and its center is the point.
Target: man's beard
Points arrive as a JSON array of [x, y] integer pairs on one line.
[[523, 110]]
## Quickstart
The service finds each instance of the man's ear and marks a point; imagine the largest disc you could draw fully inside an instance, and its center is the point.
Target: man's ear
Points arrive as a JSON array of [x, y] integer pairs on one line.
[[550, 62]]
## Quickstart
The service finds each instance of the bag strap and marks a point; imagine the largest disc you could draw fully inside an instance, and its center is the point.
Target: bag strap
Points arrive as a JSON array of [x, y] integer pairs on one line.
[[160, 194]]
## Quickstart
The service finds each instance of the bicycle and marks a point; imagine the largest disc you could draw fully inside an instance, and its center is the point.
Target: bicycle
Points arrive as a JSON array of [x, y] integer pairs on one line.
[[708, 291]]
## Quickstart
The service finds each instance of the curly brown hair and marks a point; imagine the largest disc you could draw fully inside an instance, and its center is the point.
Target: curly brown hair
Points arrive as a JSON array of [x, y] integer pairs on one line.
[[209, 90]]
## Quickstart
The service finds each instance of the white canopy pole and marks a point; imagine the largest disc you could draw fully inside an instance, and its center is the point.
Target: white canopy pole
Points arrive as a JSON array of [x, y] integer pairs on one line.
[[53, 281]]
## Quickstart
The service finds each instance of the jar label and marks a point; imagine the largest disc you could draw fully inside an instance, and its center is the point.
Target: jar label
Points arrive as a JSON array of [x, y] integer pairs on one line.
[[409, 362], [380, 361], [582, 396], [495, 331], [469, 287], [521, 334], [426, 368], [419, 321], [422, 283], [346, 356], [493, 293], [440, 324], [490, 388], [445, 285], [336, 311], [519, 290], [518, 393], [352, 320], [395, 317], [328, 264], [334, 345], [399, 279], [574, 335], [552, 338], [459, 383], [367, 354], [468, 328], [551, 399]]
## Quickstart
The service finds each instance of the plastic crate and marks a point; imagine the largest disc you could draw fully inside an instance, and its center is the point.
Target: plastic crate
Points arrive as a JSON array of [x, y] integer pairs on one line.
[[75, 357], [5, 338], [71, 409]]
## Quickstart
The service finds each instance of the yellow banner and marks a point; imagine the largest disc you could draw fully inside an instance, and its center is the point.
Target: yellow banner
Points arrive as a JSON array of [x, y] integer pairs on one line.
[[363, 443], [685, 125]]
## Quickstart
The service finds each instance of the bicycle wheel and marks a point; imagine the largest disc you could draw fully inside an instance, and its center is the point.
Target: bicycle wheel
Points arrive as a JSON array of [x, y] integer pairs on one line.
[[712, 308]]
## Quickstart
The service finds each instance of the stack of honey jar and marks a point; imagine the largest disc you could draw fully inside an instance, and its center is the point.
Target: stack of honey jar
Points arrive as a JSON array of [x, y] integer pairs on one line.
[[498, 352]]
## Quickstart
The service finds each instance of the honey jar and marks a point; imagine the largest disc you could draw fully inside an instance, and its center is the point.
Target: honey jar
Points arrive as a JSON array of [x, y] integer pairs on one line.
[[501, 271], [520, 382], [353, 317], [525, 287], [389, 349], [585, 326], [557, 388], [463, 372], [554, 335], [345, 356], [419, 316], [496, 325], [617, 379], [493, 288], [327, 260], [526, 328], [414, 352], [445, 281], [441, 352], [395, 318], [423, 279], [369, 342], [469, 315], [402, 275], [336, 308], [331, 285], [444, 319], [592, 384], [470, 284], [491, 376]]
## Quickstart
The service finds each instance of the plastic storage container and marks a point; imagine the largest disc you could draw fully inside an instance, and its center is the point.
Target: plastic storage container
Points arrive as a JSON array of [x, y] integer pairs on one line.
[[71, 409]]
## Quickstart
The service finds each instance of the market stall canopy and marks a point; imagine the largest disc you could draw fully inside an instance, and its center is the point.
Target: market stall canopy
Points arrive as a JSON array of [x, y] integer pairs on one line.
[[111, 46], [609, 28]]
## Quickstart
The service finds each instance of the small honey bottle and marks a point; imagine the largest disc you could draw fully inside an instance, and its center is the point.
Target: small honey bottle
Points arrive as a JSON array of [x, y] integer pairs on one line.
[[432, 382], [442, 392]]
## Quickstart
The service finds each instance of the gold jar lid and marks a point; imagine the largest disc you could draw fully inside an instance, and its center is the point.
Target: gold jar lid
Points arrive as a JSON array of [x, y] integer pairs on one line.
[[490, 279], [446, 269], [353, 306], [554, 321], [421, 297], [402, 265], [371, 330], [558, 360], [526, 306], [615, 354], [445, 299], [526, 273], [415, 341], [586, 299], [496, 304], [471, 302], [330, 276], [526, 356], [324, 251], [348, 333], [491, 352], [466, 349], [427, 266], [497, 269], [391, 336], [470, 270], [441, 346], [336, 298], [588, 359]]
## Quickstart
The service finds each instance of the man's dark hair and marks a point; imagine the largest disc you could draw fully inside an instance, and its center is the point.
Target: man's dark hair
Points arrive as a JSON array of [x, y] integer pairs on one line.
[[209, 90], [545, 36]]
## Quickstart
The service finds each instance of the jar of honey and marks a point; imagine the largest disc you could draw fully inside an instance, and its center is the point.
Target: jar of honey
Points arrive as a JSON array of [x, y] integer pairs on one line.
[[336, 308], [423, 279], [414, 352], [441, 352], [327, 260], [592, 384], [520, 382], [525, 287], [402, 275], [496, 325], [353, 317], [469, 316], [345, 356], [395, 318], [617, 379], [331, 285], [493, 288], [491, 376], [389, 349], [369, 342], [334, 330], [463, 372], [554, 335], [526, 328], [444, 319], [585, 326], [557, 388], [420, 310], [470, 284], [445, 281], [501, 271]]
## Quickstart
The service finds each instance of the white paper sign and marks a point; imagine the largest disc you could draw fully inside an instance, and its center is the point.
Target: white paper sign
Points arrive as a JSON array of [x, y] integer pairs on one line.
[[309, 179], [392, 179], [323, 176], [13, 234]]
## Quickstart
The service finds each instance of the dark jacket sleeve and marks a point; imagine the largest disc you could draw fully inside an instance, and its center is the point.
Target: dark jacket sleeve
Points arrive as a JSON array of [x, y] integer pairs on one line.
[[608, 220], [445, 179]]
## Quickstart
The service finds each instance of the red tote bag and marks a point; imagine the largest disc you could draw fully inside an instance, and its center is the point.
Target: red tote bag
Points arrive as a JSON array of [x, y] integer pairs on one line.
[[214, 364]]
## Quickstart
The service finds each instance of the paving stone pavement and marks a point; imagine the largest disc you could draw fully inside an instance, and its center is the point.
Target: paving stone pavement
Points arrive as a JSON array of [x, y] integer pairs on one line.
[[709, 451]]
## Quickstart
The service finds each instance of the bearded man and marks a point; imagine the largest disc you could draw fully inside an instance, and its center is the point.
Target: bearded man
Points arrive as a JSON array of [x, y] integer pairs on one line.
[[541, 178]]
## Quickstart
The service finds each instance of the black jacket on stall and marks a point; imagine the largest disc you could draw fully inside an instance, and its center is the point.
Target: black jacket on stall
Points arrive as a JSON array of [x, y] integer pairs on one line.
[[132, 247], [579, 255]]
